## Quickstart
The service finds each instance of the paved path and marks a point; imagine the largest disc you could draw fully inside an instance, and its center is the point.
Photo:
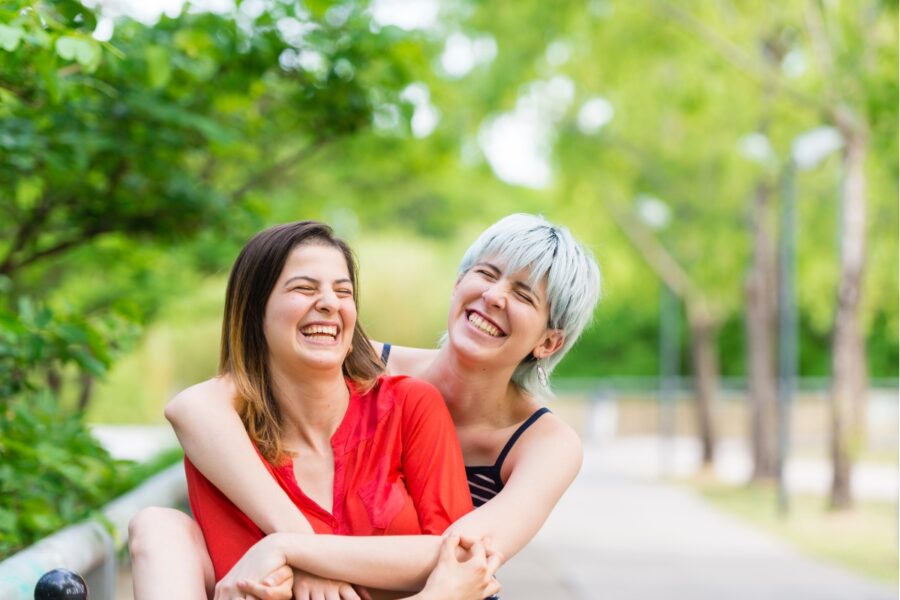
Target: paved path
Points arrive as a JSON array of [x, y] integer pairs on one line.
[[617, 537]]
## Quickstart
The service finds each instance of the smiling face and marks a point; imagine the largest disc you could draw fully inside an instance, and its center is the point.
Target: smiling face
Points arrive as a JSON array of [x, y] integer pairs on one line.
[[310, 314], [500, 318]]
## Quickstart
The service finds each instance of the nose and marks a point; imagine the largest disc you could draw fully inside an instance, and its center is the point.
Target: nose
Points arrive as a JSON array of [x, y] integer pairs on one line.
[[495, 295], [327, 302]]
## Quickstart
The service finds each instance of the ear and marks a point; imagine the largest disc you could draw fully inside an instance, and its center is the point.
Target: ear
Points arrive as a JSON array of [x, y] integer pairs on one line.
[[550, 342]]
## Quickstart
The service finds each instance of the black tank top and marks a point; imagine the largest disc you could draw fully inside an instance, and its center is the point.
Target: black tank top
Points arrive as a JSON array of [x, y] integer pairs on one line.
[[485, 481]]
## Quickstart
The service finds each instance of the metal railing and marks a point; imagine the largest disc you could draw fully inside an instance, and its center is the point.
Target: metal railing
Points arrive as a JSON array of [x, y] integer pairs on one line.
[[90, 548]]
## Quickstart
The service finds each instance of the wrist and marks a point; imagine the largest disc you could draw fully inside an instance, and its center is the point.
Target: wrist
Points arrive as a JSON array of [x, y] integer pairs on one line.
[[280, 543]]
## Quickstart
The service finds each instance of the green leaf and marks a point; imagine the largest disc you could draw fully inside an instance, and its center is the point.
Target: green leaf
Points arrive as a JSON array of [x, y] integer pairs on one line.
[[10, 37], [90, 364], [159, 69], [82, 50], [67, 47], [28, 190]]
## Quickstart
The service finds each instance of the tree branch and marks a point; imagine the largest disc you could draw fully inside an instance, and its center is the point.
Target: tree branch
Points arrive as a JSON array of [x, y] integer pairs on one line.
[[270, 173], [26, 229], [660, 260], [85, 236], [735, 55], [815, 28]]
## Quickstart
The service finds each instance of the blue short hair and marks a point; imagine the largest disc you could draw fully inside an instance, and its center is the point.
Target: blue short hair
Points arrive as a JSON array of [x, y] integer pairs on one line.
[[550, 252]]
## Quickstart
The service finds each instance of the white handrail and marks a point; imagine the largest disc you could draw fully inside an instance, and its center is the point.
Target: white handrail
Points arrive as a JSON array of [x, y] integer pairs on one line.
[[88, 547]]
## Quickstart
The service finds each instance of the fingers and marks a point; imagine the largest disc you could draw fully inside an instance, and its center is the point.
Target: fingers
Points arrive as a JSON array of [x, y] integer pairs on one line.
[[251, 587], [348, 593], [279, 575], [281, 591], [466, 542], [494, 557], [477, 551], [492, 588], [331, 593], [362, 593], [448, 546]]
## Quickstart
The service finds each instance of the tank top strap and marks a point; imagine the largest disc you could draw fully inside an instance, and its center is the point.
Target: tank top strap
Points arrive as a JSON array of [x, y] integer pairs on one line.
[[515, 436], [385, 353]]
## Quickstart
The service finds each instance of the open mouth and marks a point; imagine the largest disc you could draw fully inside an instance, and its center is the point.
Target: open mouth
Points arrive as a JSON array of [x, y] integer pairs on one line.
[[483, 324], [320, 333]]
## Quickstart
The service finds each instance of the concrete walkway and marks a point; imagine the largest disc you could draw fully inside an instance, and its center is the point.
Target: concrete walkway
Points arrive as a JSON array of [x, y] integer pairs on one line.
[[620, 537]]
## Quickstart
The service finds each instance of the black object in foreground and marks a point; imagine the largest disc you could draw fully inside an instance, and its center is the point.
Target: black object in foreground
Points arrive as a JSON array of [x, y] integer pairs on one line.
[[61, 584]]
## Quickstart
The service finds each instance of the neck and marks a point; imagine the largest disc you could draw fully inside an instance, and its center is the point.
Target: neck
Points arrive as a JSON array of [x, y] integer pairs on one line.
[[312, 405], [475, 394]]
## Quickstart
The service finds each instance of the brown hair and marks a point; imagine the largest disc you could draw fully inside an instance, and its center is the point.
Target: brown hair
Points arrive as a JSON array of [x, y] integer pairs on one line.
[[244, 354]]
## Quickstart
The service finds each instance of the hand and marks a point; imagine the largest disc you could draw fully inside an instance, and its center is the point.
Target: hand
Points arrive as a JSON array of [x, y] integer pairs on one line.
[[277, 585], [262, 570], [310, 587], [464, 571]]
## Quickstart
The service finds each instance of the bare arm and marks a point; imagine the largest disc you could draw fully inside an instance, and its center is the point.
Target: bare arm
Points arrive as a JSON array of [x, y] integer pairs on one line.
[[464, 570], [543, 465], [213, 437]]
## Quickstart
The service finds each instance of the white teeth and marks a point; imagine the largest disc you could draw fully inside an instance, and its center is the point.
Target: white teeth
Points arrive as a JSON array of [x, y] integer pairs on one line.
[[320, 330], [483, 325]]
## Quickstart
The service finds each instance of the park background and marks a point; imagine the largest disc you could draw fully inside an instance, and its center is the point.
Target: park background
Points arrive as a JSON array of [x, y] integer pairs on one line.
[[732, 165]]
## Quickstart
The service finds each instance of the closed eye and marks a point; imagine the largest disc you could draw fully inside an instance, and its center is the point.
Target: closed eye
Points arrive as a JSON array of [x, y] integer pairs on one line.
[[525, 297], [485, 273], [344, 292]]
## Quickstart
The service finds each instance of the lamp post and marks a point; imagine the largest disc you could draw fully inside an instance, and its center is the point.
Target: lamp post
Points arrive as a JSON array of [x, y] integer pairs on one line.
[[807, 151]]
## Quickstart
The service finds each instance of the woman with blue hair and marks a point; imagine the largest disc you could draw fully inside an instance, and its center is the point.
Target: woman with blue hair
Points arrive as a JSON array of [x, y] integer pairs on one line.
[[524, 293]]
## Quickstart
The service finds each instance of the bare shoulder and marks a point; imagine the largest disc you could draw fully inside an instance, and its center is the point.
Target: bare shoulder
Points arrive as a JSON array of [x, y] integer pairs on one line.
[[408, 361], [215, 388], [552, 430], [550, 440]]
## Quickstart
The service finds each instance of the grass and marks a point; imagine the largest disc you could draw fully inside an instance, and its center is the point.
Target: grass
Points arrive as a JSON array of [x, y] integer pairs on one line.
[[863, 539]]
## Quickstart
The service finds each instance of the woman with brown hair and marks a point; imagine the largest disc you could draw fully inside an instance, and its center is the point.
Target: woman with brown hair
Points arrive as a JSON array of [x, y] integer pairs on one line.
[[357, 452], [524, 293]]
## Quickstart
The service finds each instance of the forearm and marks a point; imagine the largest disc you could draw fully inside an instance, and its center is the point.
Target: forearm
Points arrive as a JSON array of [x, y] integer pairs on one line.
[[215, 441], [387, 562]]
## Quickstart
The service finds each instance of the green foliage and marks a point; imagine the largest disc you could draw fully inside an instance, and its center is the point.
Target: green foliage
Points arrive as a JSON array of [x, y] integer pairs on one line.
[[114, 156], [53, 471], [37, 344]]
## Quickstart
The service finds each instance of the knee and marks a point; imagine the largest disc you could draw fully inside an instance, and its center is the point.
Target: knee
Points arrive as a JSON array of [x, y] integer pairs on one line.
[[155, 528]]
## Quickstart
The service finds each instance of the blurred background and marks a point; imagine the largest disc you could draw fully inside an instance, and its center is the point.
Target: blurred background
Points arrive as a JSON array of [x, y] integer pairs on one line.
[[732, 165]]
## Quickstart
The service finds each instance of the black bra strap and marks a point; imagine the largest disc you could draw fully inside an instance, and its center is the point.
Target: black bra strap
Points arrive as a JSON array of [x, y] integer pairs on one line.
[[385, 353], [512, 440]]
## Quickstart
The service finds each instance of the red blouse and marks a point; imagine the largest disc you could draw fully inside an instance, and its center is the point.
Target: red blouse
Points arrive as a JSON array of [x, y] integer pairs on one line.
[[398, 470]]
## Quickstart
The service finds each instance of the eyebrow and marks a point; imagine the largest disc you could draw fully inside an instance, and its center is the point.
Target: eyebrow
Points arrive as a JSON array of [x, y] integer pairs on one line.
[[313, 281], [518, 283], [488, 265]]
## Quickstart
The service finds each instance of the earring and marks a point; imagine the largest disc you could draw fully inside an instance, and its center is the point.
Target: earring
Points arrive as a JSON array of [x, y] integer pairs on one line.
[[542, 375]]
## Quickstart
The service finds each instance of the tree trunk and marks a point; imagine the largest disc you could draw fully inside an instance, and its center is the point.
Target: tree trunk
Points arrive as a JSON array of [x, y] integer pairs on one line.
[[848, 359], [760, 294], [87, 388], [704, 330], [54, 382]]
